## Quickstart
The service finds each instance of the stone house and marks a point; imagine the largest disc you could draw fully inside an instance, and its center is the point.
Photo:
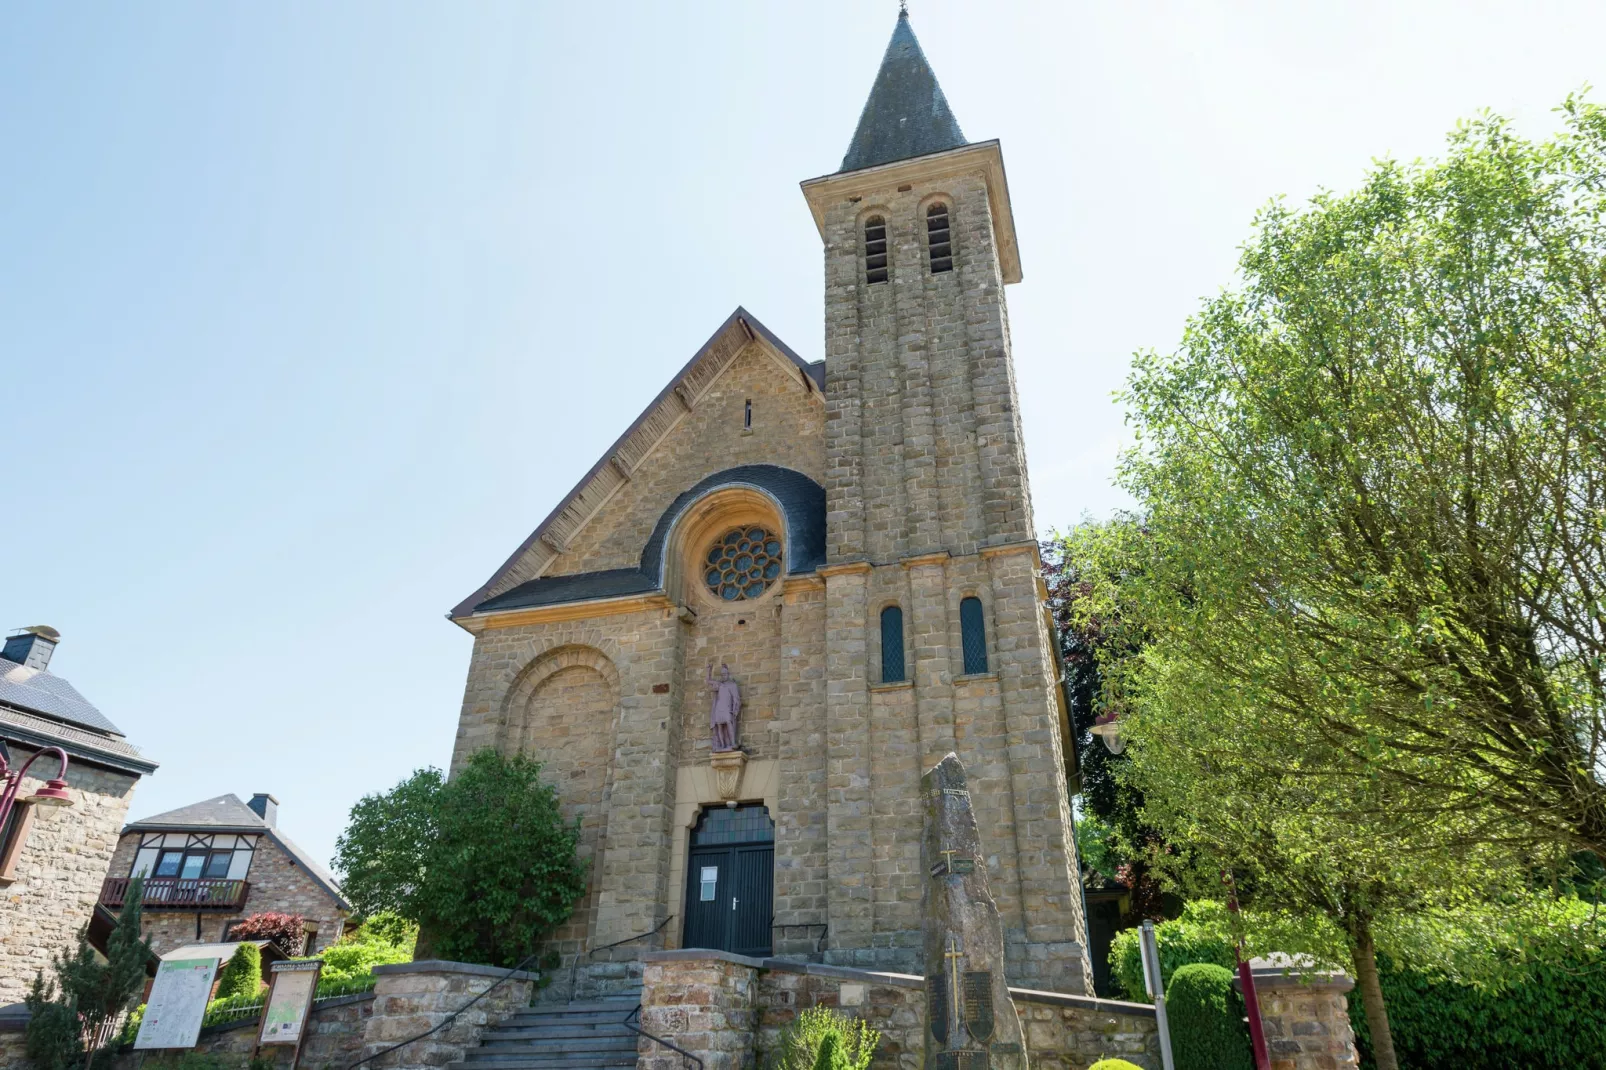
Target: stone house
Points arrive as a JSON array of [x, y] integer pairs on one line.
[[52, 858], [210, 865], [853, 537]]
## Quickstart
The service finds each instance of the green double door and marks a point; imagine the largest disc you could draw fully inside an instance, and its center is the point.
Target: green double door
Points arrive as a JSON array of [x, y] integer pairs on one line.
[[730, 881]]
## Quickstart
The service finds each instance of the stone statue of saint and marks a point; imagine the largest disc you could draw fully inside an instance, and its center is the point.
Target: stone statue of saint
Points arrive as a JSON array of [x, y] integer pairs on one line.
[[727, 707]]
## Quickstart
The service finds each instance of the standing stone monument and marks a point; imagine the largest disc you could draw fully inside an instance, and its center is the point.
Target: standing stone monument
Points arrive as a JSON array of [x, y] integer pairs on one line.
[[971, 1022]]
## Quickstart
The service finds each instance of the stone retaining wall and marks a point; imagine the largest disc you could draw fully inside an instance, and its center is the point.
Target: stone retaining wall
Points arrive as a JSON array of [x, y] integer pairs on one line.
[[411, 998], [1306, 1016], [729, 1011]]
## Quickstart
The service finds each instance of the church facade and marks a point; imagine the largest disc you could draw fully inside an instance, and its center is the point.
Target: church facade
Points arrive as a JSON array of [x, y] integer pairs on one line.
[[853, 538]]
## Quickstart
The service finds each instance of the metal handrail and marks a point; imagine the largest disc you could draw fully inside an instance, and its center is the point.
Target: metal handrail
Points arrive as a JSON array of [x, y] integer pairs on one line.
[[449, 1019], [636, 1029], [574, 966]]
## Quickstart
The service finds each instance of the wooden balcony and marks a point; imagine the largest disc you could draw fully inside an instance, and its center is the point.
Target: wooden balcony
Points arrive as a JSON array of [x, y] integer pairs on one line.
[[176, 893]]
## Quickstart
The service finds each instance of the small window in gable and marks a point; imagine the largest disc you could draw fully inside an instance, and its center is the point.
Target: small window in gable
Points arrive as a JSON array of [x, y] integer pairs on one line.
[[875, 249], [892, 671], [973, 636], [938, 243]]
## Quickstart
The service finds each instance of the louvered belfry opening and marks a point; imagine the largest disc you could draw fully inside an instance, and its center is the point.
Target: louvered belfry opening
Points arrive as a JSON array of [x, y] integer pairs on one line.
[[875, 249], [937, 238]]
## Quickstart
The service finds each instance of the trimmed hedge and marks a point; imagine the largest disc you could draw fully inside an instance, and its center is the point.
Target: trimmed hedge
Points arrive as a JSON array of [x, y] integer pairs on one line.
[[1207, 1019], [1200, 935], [1556, 1016], [1114, 1064]]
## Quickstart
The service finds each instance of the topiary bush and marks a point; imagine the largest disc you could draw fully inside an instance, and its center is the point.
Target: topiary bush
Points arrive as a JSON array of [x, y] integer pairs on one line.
[[1114, 1064], [851, 1042], [1207, 1019], [1202, 934], [242, 974]]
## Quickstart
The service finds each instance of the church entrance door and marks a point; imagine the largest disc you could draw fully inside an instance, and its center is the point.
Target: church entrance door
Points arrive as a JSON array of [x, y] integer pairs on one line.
[[730, 881]]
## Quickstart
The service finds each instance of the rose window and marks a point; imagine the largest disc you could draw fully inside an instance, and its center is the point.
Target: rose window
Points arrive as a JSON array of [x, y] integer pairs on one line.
[[742, 564]]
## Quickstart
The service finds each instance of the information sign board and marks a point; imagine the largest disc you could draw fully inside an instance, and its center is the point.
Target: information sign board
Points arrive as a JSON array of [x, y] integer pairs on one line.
[[177, 1004], [284, 1018]]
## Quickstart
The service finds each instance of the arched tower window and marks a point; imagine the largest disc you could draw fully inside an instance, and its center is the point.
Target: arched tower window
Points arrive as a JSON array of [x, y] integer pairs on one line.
[[973, 636], [938, 242], [875, 249], [892, 645]]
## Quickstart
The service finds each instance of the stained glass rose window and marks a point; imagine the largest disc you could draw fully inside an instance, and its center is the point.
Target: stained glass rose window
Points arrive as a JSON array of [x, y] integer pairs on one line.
[[742, 564]]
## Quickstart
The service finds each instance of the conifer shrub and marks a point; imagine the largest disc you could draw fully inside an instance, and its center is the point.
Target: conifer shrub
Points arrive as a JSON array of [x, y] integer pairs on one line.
[[1207, 1019], [242, 974], [829, 1058]]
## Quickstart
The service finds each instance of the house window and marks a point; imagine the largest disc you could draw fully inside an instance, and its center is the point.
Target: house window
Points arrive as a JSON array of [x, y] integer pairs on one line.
[[194, 864], [12, 838], [892, 645], [742, 564], [973, 636], [938, 243], [875, 249]]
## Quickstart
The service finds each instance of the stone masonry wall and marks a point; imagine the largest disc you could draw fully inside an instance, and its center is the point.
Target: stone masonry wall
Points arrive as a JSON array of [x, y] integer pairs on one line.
[[413, 997], [277, 883], [787, 431], [704, 1001], [59, 873], [1306, 1019]]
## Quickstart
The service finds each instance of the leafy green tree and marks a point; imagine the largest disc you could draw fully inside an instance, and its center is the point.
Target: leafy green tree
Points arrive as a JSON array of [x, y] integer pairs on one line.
[[483, 863], [242, 974], [1373, 484], [87, 992]]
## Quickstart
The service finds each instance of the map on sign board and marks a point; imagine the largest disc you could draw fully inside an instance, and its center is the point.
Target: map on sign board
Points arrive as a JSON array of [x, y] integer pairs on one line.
[[288, 1003], [177, 1004]]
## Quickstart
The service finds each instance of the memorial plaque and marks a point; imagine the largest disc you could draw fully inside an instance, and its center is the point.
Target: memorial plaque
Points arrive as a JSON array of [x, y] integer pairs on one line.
[[979, 1005], [963, 1060], [937, 1007]]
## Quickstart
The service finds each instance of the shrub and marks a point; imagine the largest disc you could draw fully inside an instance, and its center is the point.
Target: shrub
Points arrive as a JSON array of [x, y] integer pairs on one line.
[[1207, 1019], [1554, 1014], [852, 1043], [379, 941], [1114, 1064], [829, 1058], [242, 974], [484, 863], [1200, 935], [285, 930]]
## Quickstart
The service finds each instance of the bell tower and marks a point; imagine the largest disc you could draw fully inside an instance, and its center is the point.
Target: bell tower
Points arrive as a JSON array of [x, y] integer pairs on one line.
[[937, 638]]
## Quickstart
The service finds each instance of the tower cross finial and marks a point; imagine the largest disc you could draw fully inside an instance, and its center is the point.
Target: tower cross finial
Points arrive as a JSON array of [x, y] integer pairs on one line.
[[903, 9]]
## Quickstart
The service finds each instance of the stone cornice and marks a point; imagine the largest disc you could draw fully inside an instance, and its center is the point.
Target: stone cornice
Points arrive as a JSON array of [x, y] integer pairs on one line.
[[844, 568], [984, 158]]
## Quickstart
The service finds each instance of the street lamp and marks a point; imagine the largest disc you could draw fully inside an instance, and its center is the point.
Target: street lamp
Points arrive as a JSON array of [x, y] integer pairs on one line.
[[54, 793], [1107, 726]]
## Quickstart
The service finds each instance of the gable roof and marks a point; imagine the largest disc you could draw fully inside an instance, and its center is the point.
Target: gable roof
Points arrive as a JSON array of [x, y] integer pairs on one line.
[[226, 813], [613, 469], [906, 114], [42, 691]]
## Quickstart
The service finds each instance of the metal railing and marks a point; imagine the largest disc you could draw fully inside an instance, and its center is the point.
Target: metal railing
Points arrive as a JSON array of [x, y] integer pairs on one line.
[[685, 1056], [574, 966], [178, 893]]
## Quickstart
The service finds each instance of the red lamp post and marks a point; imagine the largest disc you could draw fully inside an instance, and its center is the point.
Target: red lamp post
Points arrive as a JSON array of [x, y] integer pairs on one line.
[[54, 793]]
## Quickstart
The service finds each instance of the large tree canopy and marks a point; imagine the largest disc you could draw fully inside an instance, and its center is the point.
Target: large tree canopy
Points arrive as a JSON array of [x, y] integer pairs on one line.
[[1372, 484]]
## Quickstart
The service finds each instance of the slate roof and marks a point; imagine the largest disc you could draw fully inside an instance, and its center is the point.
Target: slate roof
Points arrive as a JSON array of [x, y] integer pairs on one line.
[[226, 813], [44, 692], [802, 501], [906, 114]]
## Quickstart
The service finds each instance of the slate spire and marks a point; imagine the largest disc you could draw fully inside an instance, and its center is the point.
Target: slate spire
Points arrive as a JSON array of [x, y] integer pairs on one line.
[[906, 115]]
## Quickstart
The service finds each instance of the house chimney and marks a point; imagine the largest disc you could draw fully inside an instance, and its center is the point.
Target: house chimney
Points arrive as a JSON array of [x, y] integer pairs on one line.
[[32, 647], [266, 807]]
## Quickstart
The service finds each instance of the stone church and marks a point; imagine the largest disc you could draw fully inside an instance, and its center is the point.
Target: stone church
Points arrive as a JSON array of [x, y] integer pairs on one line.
[[854, 539]]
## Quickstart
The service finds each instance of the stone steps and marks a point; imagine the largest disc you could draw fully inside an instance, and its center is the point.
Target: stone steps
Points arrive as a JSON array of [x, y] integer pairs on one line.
[[590, 1035]]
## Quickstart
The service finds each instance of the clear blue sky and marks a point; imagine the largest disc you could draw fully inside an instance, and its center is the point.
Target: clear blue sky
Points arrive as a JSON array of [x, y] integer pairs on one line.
[[310, 312]]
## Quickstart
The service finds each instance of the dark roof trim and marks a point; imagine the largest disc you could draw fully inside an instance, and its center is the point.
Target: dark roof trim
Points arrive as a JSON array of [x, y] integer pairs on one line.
[[802, 503], [753, 327], [76, 751], [576, 587]]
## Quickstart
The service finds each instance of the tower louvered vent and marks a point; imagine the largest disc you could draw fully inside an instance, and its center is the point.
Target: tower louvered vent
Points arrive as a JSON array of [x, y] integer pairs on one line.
[[875, 249], [937, 238]]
